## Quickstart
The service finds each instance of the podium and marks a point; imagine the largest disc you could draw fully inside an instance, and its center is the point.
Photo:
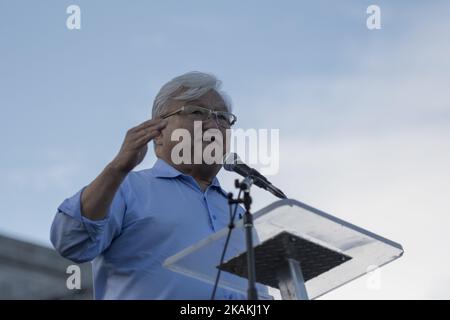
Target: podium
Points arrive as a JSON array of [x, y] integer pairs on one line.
[[298, 249]]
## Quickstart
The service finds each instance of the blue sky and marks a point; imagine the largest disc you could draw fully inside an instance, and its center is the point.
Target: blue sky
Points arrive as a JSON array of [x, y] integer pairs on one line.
[[363, 115]]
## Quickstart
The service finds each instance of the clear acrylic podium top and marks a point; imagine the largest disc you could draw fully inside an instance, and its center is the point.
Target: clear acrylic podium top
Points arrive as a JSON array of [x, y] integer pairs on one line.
[[364, 250]]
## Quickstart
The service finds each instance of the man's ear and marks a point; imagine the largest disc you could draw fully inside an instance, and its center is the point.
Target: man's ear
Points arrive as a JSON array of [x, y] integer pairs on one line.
[[157, 146], [159, 139]]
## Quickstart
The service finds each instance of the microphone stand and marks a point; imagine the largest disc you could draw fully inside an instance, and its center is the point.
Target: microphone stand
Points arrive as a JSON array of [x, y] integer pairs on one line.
[[245, 186]]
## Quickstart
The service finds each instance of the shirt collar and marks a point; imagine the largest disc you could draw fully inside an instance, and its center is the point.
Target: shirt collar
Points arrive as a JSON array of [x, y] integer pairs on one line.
[[161, 169]]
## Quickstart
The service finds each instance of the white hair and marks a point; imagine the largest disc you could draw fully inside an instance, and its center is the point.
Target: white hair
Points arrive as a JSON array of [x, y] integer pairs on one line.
[[196, 85]]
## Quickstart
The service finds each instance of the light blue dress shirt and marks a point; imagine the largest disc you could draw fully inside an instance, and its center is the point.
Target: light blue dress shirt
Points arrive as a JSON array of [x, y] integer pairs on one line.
[[155, 214]]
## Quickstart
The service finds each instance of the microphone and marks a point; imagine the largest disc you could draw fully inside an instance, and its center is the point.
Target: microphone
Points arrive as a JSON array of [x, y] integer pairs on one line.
[[233, 163]]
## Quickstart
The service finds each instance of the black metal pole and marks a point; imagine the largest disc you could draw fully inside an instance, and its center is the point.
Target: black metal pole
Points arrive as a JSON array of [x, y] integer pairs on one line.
[[252, 294]]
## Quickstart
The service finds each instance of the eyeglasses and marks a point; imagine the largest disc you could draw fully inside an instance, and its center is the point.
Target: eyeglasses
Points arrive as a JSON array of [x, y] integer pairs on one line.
[[196, 113]]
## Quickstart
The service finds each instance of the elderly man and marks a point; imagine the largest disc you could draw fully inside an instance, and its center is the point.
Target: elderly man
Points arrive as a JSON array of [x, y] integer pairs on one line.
[[128, 222]]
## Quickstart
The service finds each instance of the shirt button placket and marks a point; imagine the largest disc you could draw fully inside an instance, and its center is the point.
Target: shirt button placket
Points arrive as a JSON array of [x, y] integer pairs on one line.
[[212, 217]]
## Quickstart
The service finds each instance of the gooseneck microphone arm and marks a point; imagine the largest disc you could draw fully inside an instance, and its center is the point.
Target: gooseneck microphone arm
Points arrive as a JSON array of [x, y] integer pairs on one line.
[[232, 162]]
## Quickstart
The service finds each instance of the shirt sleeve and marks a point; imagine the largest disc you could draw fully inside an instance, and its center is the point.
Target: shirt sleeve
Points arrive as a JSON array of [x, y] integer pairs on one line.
[[80, 239]]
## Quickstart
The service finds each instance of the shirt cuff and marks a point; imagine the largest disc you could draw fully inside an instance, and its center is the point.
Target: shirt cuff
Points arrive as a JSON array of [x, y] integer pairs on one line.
[[72, 208]]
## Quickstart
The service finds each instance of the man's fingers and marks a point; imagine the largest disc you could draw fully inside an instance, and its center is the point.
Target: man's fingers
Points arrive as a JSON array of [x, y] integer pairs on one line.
[[151, 123], [147, 130], [147, 137]]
